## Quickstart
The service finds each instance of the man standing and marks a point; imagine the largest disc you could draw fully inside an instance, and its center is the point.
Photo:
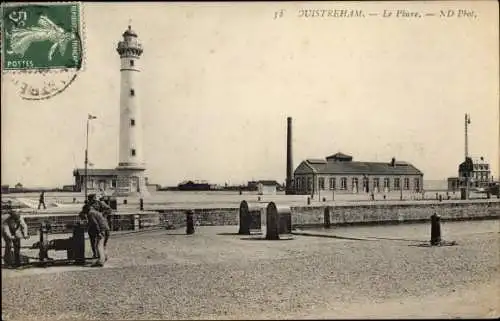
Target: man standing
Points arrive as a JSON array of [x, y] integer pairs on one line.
[[98, 227], [12, 226], [42, 200]]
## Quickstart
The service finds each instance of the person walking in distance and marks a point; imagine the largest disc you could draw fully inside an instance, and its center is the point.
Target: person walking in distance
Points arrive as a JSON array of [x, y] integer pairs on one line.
[[41, 201], [13, 227]]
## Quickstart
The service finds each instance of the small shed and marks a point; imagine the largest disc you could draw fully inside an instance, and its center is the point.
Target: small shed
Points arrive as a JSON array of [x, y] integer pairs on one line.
[[267, 187]]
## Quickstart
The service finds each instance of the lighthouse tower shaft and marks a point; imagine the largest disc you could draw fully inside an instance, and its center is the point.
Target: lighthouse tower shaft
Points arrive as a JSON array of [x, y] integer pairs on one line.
[[131, 166]]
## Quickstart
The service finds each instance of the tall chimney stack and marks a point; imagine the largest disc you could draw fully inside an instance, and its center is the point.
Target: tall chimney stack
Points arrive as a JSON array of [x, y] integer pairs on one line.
[[289, 190]]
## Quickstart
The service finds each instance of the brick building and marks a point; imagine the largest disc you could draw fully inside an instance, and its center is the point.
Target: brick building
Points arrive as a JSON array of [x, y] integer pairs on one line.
[[478, 172], [340, 173], [97, 179]]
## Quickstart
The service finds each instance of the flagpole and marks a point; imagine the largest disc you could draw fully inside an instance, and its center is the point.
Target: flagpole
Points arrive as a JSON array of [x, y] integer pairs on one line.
[[87, 153]]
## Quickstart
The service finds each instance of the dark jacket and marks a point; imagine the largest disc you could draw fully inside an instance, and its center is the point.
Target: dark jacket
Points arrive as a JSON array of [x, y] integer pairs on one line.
[[96, 213]]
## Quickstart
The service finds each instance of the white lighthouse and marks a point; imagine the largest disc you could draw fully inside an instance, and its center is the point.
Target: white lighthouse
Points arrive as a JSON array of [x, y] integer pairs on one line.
[[131, 166]]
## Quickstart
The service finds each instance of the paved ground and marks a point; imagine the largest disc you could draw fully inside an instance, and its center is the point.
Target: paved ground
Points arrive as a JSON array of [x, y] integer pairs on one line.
[[214, 275]]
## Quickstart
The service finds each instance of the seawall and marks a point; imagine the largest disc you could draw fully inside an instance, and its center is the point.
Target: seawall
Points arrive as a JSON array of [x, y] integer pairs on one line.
[[395, 213], [302, 216]]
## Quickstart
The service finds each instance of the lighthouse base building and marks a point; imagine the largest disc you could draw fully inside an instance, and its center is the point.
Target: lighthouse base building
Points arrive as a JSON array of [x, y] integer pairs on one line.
[[131, 182]]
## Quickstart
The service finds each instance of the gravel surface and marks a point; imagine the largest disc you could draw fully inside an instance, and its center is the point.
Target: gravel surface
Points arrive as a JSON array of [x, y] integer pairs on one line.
[[215, 275]]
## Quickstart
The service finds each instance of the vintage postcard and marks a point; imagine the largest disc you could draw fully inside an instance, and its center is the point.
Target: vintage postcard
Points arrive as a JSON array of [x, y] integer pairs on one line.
[[250, 160]]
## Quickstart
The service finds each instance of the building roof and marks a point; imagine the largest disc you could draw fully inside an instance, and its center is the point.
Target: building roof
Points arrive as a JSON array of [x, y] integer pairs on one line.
[[339, 156], [360, 168], [95, 172]]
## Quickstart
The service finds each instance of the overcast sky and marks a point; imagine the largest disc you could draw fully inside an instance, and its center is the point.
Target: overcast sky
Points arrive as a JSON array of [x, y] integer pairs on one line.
[[219, 80]]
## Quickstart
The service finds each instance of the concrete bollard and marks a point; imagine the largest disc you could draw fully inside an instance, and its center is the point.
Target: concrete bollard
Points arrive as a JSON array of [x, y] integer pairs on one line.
[[435, 229], [189, 222], [308, 201], [326, 218], [272, 222], [250, 218]]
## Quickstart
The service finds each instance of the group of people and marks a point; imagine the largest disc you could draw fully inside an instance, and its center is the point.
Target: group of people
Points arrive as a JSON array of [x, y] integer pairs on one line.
[[98, 215]]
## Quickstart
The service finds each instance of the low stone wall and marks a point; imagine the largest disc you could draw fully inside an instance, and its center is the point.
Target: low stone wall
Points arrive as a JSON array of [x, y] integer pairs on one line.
[[204, 216], [395, 213], [302, 216], [61, 223]]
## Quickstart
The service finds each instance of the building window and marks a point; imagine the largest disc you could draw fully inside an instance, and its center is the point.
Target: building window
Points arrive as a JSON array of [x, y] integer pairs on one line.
[[387, 183], [397, 184], [355, 184], [376, 183], [343, 183], [131, 63], [365, 184], [416, 182], [132, 152], [132, 122], [309, 184], [113, 183], [132, 92], [332, 183], [321, 183], [407, 183]]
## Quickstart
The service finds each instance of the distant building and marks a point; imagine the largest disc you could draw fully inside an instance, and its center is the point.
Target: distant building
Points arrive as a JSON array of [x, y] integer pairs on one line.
[[18, 187], [194, 186], [253, 186], [5, 189], [479, 170], [267, 187], [340, 173], [481, 173]]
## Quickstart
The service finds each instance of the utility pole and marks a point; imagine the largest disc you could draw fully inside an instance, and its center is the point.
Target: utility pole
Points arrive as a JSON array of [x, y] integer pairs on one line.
[[467, 176]]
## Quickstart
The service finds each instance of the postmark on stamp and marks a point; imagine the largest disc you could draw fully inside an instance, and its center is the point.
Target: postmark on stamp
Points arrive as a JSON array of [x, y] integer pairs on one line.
[[41, 36]]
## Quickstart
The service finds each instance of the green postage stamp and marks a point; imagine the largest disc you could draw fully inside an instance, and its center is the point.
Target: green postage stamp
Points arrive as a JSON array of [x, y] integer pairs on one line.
[[41, 36]]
